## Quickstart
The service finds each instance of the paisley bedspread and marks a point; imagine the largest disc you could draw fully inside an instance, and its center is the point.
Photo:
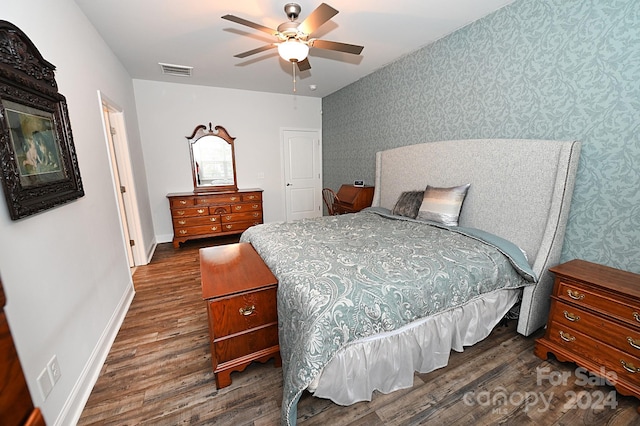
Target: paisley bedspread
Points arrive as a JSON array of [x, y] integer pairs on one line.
[[342, 278]]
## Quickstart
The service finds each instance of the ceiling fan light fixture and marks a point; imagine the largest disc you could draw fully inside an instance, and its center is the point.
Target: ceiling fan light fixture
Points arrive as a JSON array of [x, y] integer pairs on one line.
[[293, 50]]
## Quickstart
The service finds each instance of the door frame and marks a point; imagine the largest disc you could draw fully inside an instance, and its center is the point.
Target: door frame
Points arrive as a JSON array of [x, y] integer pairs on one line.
[[318, 194], [122, 175]]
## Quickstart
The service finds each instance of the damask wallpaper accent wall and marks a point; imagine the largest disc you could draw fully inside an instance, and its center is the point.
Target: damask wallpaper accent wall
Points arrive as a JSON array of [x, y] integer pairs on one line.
[[536, 69]]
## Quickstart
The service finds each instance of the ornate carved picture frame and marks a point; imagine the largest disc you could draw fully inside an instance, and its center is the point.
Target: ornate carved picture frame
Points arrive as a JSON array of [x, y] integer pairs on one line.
[[37, 155]]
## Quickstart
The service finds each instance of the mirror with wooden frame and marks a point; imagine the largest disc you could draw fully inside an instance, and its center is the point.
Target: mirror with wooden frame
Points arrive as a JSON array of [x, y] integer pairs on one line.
[[213, 162]]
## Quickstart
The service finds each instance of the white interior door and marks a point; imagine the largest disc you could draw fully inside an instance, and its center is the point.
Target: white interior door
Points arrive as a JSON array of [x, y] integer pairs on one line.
[[116, 136], [302, 174]]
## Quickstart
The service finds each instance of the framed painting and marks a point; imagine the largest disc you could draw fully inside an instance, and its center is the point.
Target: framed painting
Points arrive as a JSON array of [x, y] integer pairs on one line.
[[39, 164]]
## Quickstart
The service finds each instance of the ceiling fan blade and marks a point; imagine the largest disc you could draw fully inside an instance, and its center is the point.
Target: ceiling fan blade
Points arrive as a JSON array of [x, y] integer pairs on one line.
[[304, 65], [319, 16], [254, 51], [242, 21], [340, 47]]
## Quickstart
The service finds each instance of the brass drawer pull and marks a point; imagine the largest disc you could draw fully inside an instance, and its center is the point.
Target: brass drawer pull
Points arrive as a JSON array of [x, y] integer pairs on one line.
[[255, 206], [238, 207], [575, 295], [629, 367], [229, 226], [214, 228], [182, 222], [183, 202], [256, 214], [247, 310], [228, 217], [252, 197], [180, 212], [634, 343], [636, 316], [183, 231], [234, 198], [201, 211], [213, 219], [571, 317], [566, 337]]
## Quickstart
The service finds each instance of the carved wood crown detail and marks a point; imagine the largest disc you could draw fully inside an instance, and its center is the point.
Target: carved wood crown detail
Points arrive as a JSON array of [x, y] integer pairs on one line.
[[19, 56]]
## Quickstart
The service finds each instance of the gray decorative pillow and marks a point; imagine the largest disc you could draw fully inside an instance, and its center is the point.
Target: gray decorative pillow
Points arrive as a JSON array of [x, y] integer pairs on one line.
[[443, 205], [408, 204]]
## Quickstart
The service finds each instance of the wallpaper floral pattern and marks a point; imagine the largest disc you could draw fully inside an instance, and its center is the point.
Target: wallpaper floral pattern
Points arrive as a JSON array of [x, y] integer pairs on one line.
[[539, 69]]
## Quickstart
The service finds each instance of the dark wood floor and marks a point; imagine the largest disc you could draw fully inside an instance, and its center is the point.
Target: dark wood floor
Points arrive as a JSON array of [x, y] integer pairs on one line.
[[158, 372]]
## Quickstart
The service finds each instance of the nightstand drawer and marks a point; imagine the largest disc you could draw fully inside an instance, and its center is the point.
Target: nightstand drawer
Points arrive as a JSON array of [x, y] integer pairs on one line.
[[623, 364], [240, 345], [611, 304], [243, 312], [617, 335]]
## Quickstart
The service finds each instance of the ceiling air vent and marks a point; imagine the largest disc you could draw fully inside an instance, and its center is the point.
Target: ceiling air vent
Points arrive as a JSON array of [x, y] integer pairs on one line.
[[179, 70]]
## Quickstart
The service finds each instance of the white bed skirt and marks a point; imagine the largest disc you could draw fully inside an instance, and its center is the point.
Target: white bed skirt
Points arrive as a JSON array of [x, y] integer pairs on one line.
[[387, 362]]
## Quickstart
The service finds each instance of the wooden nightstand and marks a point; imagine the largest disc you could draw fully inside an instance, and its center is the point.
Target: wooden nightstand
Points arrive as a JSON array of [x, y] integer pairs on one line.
[[240, 293], [595, 322]]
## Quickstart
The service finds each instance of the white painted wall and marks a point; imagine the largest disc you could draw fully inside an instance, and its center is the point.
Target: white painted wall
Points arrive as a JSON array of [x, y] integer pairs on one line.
[[168, 112], [65, 271]]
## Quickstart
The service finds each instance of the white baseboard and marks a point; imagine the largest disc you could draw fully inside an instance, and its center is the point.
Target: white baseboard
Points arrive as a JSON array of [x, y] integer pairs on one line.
[[72, 409], [151, 250]]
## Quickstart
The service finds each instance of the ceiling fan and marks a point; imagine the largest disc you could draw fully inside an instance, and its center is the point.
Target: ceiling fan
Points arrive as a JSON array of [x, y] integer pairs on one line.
[[295, 38]]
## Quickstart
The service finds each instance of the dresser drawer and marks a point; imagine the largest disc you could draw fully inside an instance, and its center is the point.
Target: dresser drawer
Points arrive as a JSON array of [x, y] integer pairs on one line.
[[186, 212], [624, 365], [244, 207], [252, 196], [255, 215], [199, 230], [240, 345], [600, 328], [607, 303], [195, 220], [219, 199], [219, 209], [243, 312], [179, 202], [237, 226]]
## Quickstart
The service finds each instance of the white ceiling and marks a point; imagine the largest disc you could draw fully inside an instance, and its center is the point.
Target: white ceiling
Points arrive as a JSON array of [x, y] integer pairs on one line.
[[143, 33]]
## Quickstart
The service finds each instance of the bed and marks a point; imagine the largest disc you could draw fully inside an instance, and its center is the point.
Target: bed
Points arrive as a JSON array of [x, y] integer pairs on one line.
[[367, 299]]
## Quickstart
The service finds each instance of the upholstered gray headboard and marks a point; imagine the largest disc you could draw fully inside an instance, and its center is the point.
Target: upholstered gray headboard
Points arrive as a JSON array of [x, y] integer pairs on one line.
[[520, 190]]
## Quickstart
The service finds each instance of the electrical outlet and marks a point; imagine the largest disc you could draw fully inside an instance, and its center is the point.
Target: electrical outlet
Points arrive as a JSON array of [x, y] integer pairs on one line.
[[54, 369], [45, 384]]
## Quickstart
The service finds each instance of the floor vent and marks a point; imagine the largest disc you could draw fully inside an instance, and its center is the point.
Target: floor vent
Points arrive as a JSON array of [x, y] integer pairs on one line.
[[179, 70]]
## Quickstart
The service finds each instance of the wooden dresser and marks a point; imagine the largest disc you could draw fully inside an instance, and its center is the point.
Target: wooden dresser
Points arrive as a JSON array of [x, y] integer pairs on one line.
[[352, 199], [240, 293], [203, 215], [595, 322], [16, 406]]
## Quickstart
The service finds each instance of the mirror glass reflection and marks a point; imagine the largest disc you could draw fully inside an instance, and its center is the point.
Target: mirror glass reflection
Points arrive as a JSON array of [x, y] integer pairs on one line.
[[213, 164]]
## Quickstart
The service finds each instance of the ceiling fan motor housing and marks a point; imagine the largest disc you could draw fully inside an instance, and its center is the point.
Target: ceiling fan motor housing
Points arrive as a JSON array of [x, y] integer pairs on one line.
[[290, 30]]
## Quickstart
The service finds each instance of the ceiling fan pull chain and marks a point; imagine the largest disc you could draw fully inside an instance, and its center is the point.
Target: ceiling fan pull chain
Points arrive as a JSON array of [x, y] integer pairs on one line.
[[294, 76]]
